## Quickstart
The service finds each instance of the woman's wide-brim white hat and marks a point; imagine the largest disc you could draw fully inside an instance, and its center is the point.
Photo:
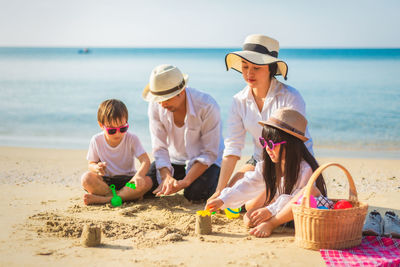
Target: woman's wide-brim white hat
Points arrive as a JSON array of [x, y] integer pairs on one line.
[[260, 50], [166, 81]]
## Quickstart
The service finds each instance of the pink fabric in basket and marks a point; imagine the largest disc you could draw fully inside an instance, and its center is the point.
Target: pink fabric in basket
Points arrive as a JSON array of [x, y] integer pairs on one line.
[[373, 251]]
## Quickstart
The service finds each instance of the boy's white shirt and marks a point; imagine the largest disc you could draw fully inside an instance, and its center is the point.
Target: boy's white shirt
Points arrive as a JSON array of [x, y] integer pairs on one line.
[[202, 135], [253, 184], [245, 115], [120, 159]]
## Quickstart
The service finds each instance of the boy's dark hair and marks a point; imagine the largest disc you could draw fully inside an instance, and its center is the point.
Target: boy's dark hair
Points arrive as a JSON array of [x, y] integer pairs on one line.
[[296, 151], [112, 110]]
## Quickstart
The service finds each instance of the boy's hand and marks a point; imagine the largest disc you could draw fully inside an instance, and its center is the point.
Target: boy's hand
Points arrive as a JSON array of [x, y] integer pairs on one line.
[[100, 168], [214, 204]]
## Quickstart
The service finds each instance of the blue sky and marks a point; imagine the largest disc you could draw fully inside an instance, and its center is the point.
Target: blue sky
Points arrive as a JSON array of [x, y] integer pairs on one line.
[[201, 23]]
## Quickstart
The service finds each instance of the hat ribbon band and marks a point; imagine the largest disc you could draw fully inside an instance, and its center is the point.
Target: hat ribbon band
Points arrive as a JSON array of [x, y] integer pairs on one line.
[[259, 49], [285, 125], [166, 92]]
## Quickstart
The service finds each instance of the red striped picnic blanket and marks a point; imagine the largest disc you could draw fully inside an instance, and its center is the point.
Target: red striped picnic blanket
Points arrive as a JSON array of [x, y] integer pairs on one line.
[[373, 251]]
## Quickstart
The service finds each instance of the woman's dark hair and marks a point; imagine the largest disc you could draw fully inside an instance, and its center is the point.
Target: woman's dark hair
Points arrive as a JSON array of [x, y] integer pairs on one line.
[[273, 68], [296, 151]]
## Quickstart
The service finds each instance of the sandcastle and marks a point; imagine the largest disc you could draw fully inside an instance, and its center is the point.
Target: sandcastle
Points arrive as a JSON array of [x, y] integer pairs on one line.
[[203, 222], [91, 235]]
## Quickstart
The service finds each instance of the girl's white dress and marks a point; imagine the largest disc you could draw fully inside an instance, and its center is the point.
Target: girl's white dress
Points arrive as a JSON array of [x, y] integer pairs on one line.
[[253, 184]]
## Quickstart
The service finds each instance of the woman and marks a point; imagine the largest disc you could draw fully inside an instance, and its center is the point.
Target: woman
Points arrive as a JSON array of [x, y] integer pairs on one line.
[[286, 168], [263, 94]]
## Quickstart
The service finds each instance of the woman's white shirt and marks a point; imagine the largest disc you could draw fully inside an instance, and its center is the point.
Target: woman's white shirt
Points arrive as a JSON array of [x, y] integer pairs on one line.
[[245, 115], [253, 184]]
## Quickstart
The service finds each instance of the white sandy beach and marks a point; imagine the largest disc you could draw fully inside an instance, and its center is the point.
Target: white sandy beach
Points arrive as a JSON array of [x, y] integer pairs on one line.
[[42, 215]]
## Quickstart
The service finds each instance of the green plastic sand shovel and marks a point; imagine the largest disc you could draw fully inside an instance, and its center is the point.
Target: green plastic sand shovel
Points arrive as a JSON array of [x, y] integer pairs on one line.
[[116, 200], [131, 185]]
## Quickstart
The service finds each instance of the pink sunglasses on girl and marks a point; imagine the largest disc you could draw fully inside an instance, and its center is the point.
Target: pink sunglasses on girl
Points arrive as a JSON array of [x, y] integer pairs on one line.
[[271, 145], [121, 129]]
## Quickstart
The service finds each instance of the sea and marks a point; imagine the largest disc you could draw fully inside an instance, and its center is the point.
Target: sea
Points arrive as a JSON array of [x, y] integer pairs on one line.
[[49, 96]]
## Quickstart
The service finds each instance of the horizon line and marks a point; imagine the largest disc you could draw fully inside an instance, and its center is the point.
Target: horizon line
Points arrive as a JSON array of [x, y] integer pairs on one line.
[[197, 47]]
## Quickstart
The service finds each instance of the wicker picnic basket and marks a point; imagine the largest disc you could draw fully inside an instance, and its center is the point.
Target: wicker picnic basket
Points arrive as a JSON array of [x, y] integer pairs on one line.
[[329, 229]]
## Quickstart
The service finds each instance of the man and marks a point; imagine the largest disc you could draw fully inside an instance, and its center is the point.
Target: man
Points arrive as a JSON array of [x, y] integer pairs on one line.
[[186, 136]]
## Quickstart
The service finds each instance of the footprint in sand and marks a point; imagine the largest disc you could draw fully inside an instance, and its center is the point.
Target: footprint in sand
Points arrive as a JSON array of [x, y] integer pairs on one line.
[[131, 211]]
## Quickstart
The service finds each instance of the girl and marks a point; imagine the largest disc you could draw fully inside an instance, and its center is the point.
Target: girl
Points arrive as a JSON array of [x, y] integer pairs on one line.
[[277, 180]]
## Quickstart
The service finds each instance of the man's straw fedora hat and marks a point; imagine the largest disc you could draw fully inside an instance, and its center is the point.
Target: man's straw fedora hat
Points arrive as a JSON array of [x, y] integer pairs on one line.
[[260, 50], [166, 81], [288, 120]]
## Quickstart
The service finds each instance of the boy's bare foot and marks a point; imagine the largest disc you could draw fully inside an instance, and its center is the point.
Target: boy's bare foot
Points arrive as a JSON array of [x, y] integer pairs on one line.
[[95, 199], [264, 229]]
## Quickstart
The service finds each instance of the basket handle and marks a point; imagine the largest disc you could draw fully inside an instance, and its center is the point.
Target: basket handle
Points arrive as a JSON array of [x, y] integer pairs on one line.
[[314, 176]]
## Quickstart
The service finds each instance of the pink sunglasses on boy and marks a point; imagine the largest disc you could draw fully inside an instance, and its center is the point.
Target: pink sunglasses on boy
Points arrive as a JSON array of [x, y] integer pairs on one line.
[[121, 129], [271, 145]]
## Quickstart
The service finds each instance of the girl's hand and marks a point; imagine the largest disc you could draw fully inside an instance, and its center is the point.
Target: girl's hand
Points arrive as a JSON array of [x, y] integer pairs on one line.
[[214, 204], [215, 195], [260, 215]]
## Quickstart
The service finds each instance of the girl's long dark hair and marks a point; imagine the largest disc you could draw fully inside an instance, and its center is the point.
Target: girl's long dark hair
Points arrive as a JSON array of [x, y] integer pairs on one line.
[[296, 151]]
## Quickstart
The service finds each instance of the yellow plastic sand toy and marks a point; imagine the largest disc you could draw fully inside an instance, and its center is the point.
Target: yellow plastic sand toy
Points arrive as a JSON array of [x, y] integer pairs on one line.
[[232, 213], [203, 213]]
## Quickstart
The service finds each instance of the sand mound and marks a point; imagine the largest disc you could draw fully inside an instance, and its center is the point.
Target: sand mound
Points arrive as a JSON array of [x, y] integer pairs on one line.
[[148, 222]]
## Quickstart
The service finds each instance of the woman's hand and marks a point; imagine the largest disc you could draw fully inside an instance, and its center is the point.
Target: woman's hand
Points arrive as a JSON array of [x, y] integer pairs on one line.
[[260, 215], [214, 204]]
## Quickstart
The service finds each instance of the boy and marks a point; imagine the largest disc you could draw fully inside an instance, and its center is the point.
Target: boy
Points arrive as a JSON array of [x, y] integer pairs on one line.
[[111, 158]]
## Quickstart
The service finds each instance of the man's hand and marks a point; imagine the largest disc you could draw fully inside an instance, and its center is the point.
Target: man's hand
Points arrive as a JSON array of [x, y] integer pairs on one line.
[[179, 185], [165, 185], [170, 186], [214, 204]]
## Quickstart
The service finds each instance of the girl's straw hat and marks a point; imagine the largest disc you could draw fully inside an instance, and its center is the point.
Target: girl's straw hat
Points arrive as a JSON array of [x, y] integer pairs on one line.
[[288, 120], [166, 81], [260, 50]]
